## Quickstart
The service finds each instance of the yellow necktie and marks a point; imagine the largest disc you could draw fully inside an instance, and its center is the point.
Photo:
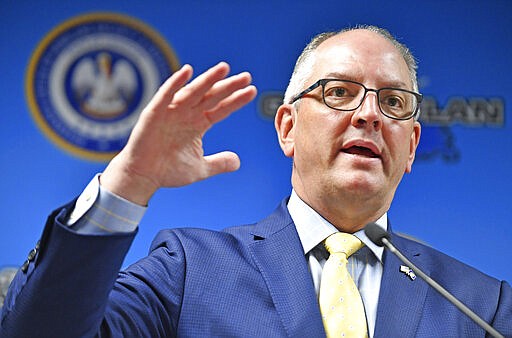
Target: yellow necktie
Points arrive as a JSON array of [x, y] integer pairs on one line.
[[340, 302]]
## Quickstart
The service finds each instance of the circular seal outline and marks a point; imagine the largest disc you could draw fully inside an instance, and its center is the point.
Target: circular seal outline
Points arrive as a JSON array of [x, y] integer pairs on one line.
[[136, 24]]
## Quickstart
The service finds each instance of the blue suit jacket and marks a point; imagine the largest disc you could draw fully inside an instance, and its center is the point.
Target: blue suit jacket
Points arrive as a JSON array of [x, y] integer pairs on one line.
[[245, 281]]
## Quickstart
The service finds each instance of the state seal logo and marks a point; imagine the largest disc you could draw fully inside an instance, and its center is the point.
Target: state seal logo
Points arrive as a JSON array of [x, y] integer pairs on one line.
[[91, 76]]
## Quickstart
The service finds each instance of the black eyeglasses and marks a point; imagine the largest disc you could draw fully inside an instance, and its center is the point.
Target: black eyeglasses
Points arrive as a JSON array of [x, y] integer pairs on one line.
[[346, 95]]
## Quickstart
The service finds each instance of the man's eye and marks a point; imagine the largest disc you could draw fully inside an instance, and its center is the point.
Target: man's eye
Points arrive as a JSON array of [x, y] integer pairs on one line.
[[394, 101], [336, 92]]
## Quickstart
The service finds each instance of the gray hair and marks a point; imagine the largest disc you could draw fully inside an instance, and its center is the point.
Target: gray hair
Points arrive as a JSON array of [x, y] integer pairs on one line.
[[307, 58]]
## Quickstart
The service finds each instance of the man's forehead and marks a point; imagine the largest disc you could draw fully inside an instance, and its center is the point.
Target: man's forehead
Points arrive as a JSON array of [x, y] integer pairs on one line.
[[355, 43], [359, 52]]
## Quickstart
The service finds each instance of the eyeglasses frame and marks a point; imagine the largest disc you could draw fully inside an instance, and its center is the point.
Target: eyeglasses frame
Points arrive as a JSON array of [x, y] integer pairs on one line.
[[323, 82]]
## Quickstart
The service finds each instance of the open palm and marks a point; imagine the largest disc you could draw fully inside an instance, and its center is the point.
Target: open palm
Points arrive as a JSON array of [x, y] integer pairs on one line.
[[165, 148]]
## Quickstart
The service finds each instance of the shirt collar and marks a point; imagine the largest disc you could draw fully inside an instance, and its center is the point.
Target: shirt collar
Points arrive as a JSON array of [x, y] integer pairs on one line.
[[313, 228]]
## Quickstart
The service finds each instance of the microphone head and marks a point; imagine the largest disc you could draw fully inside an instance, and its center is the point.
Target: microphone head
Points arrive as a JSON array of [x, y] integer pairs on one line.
[[375, 233]]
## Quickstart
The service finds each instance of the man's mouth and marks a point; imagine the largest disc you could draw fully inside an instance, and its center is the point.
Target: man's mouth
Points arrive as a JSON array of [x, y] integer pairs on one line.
[[361, 151]]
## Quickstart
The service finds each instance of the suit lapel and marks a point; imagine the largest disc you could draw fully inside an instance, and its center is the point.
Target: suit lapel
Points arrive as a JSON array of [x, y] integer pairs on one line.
[[279, 256], [401, 299]]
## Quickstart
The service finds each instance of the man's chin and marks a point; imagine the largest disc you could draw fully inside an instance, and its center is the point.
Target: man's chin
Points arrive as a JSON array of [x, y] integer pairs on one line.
[[359, 183]]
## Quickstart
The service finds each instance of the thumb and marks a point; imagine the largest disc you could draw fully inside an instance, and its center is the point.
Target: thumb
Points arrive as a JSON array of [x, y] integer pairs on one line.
[[222, 162]]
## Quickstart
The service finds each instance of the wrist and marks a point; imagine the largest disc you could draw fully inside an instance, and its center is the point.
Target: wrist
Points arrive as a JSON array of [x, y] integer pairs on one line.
[[127, 184]]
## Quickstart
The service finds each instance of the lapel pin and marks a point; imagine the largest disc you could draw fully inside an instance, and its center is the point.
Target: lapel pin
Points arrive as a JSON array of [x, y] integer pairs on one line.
[[408, 271]]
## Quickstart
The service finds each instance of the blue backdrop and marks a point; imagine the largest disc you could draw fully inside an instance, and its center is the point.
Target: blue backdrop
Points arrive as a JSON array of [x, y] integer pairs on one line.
[[457, 199]]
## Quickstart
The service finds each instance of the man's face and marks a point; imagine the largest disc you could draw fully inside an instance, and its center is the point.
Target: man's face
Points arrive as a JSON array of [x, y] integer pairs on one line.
[[351, 159]]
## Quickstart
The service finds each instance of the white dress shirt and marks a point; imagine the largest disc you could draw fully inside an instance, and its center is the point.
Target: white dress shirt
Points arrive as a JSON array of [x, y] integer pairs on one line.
[[365, 266]]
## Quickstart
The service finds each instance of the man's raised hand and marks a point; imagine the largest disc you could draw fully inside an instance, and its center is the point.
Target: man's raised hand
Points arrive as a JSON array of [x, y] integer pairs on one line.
[[165, 148]]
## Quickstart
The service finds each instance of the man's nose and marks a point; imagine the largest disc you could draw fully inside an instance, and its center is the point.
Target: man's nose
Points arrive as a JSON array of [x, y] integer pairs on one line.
[[368, 115]]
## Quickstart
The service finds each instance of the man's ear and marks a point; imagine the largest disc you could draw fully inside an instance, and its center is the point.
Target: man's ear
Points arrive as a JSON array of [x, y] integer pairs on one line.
[[413, 145], [284, 123]]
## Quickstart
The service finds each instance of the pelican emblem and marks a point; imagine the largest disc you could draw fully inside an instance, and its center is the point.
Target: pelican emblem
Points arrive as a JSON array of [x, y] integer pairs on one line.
[[104, 88]]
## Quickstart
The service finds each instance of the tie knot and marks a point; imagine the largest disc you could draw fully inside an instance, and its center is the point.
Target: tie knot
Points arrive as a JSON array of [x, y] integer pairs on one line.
[[341, 242]]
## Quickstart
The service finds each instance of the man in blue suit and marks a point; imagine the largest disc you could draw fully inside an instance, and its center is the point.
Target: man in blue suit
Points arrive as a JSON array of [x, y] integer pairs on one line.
[[349, 122]]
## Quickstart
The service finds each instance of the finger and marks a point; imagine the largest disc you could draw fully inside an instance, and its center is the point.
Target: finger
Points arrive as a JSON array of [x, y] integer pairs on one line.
[[167, 90], [232, 103], [223, 89], [222, 162], [194, 91]]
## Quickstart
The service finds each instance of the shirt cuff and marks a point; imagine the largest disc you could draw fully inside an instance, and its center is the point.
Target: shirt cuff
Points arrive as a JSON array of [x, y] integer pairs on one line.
[[98, 211]]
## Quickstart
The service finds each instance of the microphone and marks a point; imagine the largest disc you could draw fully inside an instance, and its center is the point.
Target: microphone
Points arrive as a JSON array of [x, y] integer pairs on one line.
[[381, 237]]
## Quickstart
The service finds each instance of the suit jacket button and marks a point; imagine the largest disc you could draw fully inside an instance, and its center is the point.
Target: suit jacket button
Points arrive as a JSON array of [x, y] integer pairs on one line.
[[24, 267], [32, 255]]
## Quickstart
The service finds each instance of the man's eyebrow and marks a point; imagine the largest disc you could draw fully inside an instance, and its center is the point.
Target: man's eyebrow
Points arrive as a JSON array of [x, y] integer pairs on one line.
[[396, 84], [352, 77], [342, 76]]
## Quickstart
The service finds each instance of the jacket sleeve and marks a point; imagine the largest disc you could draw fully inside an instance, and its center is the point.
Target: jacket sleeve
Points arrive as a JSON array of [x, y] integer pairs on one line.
[[503, 319], [63, 288]]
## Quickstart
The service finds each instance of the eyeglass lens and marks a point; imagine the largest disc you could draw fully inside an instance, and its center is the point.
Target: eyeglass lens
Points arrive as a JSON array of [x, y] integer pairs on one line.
[[344, 95]]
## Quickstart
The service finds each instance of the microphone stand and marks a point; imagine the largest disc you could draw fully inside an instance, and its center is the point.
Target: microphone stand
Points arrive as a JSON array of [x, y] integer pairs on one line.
[[461, 306]]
